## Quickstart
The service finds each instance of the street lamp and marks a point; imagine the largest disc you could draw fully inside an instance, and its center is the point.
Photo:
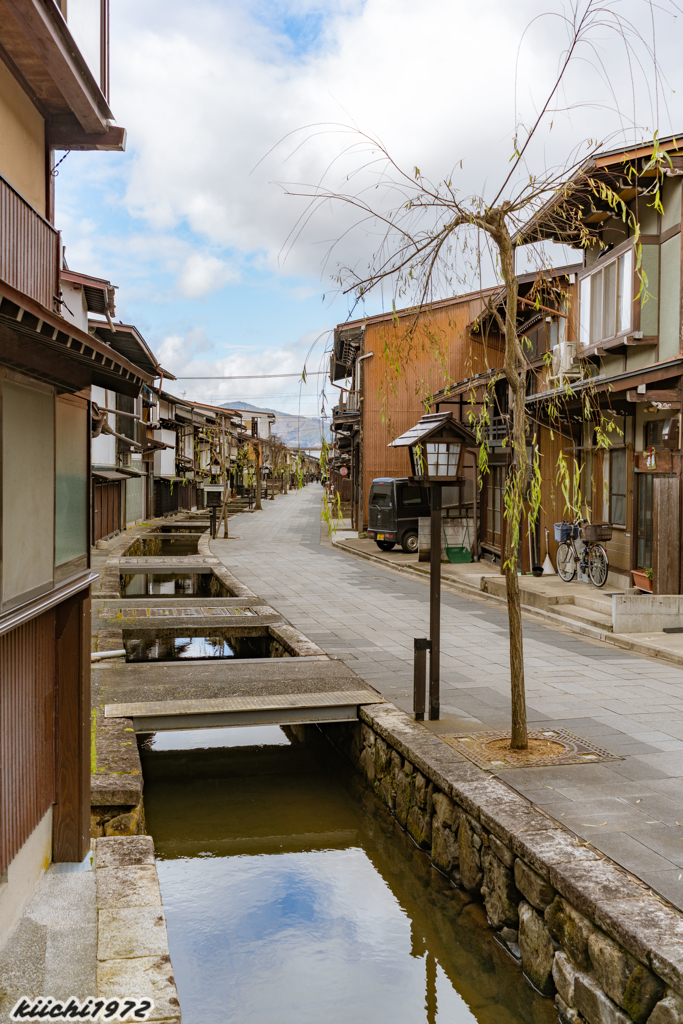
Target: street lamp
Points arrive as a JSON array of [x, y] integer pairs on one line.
[[437, 447]]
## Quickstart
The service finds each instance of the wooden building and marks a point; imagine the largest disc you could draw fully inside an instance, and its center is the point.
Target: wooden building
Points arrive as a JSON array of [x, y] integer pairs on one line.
[[387, 368], [626, 336], [605, 357], [49, 100]]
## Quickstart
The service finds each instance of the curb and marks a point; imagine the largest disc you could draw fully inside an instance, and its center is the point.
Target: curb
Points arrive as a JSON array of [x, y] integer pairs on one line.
[[551, 619]]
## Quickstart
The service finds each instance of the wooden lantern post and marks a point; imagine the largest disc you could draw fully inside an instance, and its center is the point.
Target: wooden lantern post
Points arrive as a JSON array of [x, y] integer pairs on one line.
[[437, 447]]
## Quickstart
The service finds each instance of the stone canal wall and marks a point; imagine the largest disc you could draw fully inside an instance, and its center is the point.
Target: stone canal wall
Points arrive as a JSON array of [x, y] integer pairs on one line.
[[132, 942], [587, 933]]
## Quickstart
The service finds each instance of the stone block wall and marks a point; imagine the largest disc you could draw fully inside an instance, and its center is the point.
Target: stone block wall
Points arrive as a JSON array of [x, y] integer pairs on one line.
[[588, 934]]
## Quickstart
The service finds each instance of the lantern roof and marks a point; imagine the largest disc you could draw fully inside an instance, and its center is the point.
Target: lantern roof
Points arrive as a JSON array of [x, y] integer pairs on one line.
[[435, 424]]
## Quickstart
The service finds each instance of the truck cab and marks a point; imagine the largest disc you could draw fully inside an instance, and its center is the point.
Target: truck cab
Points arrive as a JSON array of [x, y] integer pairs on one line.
[[395, 506]]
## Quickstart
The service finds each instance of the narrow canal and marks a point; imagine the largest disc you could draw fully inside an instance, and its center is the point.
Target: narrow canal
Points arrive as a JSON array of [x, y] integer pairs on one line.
[[293, 897]]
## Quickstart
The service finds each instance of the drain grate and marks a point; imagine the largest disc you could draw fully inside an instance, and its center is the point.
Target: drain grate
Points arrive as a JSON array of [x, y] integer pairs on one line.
[[554, 746]]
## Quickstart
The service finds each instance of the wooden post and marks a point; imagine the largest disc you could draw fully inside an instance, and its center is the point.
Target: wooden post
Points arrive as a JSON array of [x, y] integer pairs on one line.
[[421, 646], [666, 535], [71, 820], [435, 605]]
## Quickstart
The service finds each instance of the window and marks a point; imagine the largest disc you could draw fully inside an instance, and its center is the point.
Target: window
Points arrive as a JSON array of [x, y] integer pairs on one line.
[[28, 495], [380, 497], [71, 484], [494, 504], [413, 496], [617, 486], [606, 300], [442, 458]]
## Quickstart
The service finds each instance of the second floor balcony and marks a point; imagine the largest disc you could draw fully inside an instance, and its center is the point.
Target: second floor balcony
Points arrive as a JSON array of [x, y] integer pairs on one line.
[[30, 249]]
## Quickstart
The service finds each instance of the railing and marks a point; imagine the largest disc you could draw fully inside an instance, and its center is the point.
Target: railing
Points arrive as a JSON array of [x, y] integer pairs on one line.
[[29, 248]]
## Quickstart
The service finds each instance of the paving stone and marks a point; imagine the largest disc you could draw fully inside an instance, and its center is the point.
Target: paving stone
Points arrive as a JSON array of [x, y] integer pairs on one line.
[[131, 932], [148, 977], [122, 851], [133, 886]]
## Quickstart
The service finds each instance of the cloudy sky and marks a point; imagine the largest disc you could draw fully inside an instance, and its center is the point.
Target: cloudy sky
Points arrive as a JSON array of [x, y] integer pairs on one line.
[[193, 223]]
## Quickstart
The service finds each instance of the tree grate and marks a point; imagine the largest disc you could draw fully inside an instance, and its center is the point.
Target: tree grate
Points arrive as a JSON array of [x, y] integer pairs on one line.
[[483, 748]]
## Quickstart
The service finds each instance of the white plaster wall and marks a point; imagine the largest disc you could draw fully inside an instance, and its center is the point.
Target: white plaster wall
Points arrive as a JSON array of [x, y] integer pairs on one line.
[[16, 888], [103, 452], [74, 308]]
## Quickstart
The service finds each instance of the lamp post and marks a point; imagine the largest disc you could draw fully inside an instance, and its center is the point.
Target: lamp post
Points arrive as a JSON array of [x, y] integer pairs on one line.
[[436, 446]]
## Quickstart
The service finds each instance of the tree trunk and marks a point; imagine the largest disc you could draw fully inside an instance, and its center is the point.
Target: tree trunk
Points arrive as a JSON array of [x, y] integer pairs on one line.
[[516, 480]]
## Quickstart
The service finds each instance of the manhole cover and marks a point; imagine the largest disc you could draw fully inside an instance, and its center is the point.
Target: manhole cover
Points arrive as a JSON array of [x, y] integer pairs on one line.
[[491, 750]]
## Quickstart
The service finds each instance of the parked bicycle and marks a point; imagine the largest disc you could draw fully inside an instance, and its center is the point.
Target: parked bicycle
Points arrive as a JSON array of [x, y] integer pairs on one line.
[[591, 559]]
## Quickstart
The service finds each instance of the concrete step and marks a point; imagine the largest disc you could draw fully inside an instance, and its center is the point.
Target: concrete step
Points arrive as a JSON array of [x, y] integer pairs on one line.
[[584, 615], [602, 604]]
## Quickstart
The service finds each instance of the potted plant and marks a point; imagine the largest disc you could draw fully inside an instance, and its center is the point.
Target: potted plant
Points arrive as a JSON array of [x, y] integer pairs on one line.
[[642, 578]]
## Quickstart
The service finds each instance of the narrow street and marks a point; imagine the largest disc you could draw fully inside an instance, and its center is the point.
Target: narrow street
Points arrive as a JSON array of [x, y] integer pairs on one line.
[[633, 706]]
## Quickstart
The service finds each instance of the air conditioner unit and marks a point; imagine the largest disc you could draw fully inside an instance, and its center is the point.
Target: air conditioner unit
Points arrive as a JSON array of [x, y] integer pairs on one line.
[[564, 356]]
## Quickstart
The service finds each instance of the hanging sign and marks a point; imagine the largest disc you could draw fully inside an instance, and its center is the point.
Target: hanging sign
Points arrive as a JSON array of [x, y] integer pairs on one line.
[[343, 471]]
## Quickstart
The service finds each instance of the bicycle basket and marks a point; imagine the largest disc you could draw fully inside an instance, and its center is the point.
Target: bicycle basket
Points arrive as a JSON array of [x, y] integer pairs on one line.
[[565, 531], [597, 532]]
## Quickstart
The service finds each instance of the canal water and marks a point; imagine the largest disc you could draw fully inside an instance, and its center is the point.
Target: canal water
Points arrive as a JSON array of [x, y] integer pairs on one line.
[[293, 897], [197, 648], [172, 584]]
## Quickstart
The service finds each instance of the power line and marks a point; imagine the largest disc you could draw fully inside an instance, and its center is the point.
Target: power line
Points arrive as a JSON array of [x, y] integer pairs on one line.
[[258, 376]]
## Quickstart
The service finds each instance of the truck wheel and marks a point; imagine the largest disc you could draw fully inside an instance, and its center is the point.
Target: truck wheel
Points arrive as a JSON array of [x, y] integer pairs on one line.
[[385, 545], [409, 543]]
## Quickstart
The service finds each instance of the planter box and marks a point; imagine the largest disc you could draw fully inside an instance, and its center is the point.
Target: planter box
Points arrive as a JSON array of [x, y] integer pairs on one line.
[[641, 581]]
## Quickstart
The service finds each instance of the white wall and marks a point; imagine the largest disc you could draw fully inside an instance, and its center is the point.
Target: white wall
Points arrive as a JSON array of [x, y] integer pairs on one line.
[[103, 451], [23, 873], [74, 306], [164, 460]]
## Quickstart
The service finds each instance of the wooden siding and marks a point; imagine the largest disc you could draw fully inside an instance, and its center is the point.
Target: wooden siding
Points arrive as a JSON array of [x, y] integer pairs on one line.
[[442, 351], [27, 713], [71, 822], [29, 248]]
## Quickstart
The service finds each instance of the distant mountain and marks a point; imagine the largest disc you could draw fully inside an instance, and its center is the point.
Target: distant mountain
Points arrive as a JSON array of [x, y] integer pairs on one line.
[[293, 430]]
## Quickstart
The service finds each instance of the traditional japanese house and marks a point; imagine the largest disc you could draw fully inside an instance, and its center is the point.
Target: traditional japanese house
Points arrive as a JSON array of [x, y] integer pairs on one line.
[[387, 368], [624, 358], [49, 100], [122, 453]]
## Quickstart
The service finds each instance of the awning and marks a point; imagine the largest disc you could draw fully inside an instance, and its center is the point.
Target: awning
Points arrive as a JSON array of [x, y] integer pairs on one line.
[[111, 474]]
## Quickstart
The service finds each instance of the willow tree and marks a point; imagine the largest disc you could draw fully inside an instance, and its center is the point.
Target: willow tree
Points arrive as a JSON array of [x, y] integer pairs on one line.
[[429, 232]]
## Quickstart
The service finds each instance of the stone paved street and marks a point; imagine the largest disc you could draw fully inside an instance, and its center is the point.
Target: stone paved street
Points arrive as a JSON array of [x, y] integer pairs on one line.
[[631, 809]]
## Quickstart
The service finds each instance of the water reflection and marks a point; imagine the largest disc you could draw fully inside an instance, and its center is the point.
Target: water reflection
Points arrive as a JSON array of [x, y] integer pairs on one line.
[[172, 585], [197, 648], [293, 897]]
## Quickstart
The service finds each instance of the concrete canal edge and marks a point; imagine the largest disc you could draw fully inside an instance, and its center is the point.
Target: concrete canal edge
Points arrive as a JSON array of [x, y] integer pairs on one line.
[[132, 943], [587, 932]]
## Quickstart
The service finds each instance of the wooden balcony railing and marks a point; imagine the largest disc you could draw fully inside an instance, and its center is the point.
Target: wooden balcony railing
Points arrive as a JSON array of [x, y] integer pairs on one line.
[[29, 248]]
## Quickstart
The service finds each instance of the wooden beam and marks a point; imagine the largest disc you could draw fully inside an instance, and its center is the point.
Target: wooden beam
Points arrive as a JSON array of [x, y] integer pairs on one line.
[[66, 133], [666, 397], [54, 46]]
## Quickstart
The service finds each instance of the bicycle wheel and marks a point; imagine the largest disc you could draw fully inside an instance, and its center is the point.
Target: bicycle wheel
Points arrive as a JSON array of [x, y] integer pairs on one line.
[[565, 562], [598, 565]]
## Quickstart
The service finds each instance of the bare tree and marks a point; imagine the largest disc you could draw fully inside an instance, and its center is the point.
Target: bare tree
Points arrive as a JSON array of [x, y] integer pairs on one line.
[[428, 231]]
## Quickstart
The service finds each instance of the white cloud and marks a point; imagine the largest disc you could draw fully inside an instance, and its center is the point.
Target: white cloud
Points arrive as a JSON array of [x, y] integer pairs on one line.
[[207, 89], [201, 274], [252, 376]]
